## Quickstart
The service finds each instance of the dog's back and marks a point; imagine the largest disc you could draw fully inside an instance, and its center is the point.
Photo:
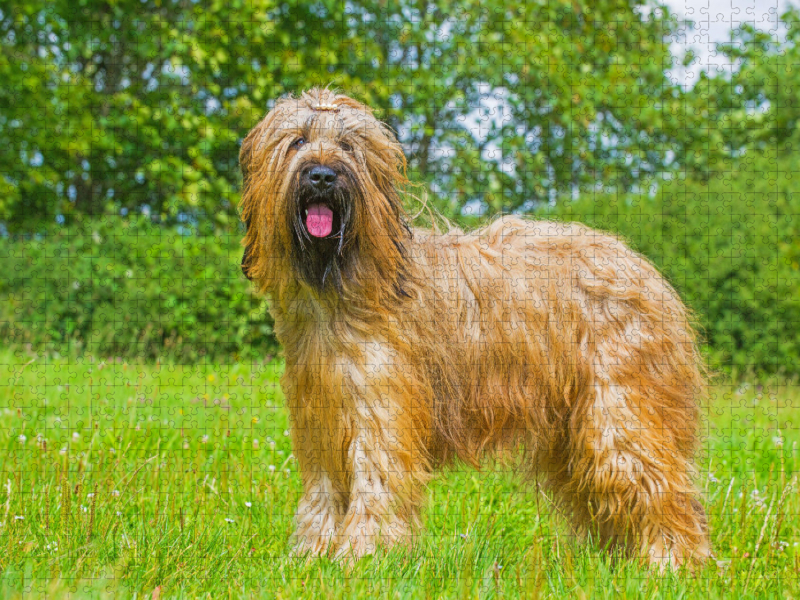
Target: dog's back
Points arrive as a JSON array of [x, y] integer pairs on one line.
[[533, 315]]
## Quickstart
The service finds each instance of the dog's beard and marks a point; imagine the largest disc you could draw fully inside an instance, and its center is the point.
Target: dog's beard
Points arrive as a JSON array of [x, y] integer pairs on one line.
[[323, 260]]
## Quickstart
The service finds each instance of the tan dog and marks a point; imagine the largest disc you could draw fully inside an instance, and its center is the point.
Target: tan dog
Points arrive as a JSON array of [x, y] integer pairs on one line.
[[405, 347]]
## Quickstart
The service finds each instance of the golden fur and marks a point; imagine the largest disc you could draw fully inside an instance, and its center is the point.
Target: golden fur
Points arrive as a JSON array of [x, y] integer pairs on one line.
[[406, 347]]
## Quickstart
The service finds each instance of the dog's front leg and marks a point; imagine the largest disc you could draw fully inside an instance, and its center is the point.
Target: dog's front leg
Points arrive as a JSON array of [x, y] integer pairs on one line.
[[383, 499], [319, 514], [388, 463]]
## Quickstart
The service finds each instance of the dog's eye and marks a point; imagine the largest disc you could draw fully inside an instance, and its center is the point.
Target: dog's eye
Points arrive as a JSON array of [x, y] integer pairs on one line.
[[298, 143], [346, 147]]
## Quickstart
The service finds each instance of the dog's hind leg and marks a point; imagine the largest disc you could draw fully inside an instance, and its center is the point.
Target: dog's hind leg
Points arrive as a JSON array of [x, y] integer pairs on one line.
[[627, 478]]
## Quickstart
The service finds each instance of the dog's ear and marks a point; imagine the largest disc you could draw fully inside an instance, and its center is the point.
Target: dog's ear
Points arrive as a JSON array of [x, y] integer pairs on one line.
[[246, 255]]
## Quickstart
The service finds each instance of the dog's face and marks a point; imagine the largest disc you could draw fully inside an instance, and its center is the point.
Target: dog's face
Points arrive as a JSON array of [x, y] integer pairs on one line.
[[320, 189]]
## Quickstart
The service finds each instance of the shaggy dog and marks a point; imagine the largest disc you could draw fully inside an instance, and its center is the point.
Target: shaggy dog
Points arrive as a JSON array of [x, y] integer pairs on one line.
[[406, 347]]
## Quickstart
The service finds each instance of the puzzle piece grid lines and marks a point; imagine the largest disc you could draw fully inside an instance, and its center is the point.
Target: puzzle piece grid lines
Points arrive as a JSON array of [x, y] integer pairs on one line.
[[506, 411]]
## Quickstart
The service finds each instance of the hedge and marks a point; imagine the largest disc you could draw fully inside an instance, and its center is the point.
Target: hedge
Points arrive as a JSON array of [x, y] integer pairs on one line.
[[127, 288], [731, 247]]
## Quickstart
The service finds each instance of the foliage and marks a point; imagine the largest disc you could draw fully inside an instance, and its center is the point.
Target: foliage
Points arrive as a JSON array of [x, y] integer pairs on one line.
[[730, 247], [761, 107], [131, 105], [176, 481], [124, 287], [130, 288], [136, 107], [753, 107], [139, 104]]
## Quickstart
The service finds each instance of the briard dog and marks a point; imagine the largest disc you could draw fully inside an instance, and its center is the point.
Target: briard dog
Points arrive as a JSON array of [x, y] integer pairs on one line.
[[408, 347]]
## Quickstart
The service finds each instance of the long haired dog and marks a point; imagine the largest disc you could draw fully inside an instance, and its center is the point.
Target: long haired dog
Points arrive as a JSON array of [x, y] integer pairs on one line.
[[405, 348]]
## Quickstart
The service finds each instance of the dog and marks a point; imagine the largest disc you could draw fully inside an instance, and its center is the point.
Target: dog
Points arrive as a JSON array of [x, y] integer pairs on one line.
[[406, 348]]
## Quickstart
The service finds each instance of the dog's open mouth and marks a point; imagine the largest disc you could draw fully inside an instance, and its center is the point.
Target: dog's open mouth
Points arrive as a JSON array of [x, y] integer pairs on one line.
[[319, 220]]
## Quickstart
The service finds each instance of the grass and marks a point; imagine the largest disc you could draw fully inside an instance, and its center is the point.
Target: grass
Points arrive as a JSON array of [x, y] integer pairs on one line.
[[146, 481]]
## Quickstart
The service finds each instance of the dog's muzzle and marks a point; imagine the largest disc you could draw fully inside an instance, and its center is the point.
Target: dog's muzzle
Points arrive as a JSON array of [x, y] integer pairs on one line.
[[319, 215]]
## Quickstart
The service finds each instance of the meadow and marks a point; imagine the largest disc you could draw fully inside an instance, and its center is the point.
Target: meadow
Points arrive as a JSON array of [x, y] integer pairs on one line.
[[136, 480]]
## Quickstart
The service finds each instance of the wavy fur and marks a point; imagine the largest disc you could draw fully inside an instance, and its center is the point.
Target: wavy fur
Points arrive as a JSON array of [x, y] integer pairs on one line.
[[418, 347]]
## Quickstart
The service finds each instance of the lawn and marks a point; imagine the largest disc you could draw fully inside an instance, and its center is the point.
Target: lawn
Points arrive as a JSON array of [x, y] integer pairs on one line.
[[141, 480]]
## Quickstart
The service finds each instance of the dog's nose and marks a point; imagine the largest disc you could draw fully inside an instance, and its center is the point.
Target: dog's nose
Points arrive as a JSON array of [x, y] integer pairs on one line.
[[322, 178]]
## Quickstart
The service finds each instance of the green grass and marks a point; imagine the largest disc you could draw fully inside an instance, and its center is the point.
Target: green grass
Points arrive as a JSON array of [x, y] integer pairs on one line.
[[129, 480]]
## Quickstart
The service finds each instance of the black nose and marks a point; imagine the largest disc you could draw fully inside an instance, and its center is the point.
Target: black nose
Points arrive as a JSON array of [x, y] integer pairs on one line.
[[321, 178]]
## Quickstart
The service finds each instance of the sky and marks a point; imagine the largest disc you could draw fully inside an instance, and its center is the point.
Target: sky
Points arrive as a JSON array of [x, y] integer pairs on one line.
[[714, 19]]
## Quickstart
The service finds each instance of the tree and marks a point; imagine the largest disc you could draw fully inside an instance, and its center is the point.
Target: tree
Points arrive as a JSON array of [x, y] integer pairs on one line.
[[123, 105], [139, 105], [513, 104]]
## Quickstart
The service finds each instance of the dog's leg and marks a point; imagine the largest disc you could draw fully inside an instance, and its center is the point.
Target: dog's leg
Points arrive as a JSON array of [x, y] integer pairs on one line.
[[629, 481], [372, 517], [319, 513], [387, 459]]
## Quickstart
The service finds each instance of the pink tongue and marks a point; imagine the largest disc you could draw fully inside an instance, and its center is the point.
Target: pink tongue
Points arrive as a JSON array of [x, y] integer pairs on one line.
[[319, 220]]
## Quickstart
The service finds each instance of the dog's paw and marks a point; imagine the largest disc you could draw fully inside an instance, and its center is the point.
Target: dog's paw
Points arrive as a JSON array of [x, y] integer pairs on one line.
[[309, 546], [671, 556], [364, 534], [359, 538]]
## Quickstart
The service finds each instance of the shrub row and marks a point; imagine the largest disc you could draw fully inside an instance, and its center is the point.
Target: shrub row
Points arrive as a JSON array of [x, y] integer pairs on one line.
[[731, 247], [127, 288]]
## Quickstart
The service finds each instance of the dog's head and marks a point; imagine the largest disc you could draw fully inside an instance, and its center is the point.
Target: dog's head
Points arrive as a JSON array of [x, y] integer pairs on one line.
[[320, 195]]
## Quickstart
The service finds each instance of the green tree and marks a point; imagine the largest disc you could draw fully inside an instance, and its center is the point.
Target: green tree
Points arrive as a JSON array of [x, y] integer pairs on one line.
[[127, 104], [131, 104], [511, 104], [754, 108]]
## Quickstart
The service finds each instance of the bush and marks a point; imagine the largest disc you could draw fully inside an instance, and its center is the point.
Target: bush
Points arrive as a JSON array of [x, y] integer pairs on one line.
[[730, 247], [125, 287]]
